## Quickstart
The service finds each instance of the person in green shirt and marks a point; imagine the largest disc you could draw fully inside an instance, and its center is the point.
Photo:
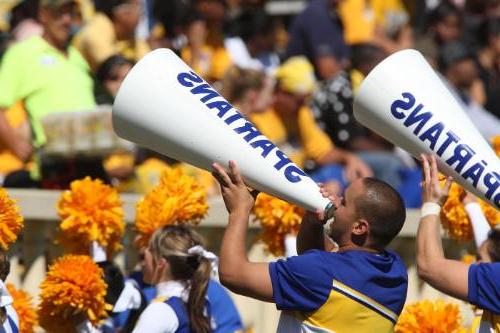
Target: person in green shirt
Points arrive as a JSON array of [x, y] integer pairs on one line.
[[46, 74]]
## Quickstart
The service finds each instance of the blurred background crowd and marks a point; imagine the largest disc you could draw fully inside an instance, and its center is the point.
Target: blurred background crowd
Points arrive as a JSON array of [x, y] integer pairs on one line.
[[291, 67]]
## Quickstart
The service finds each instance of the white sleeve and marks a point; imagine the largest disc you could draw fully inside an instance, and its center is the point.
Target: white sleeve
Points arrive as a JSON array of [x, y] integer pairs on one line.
[[86, 327], [158, 317], [480, 225]]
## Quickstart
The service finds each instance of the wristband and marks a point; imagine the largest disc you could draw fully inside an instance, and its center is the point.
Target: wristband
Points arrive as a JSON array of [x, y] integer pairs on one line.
[[430, 208]]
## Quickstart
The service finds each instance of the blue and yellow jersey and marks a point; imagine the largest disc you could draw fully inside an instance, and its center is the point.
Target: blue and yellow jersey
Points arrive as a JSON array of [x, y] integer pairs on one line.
[[484, 292], [352, 291]]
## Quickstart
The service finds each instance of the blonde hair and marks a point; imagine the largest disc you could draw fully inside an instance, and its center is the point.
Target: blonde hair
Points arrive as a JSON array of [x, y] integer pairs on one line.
[[237, 82], [172, 242]]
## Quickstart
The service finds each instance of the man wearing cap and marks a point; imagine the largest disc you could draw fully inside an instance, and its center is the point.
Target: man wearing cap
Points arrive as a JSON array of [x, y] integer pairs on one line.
[[46, 74], [291, 126]]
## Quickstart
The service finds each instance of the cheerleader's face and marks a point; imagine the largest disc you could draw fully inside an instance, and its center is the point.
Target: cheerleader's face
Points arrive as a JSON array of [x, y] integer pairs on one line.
[[153, 268]]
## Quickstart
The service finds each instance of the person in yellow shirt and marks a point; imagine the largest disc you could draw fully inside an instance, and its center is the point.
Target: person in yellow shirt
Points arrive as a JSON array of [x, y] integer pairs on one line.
[[112, 31], [210, 62], [291, 126], [383, 22], [18, 120]]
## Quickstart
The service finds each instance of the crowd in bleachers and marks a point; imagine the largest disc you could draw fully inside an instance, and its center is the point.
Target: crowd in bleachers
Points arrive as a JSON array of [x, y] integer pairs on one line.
[[293, 75]]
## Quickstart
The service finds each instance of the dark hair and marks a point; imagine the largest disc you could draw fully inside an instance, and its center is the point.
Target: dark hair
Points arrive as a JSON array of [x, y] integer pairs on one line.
[[365, 54], [27, 9], [114, 279], [494, 245], [252, 23], [451, 53], [106, 68], [116, 283], [108, 6], [488, 28], [443, 10], [104, 73], [4, 266], [190, 17], [172, 243], [383, 208]]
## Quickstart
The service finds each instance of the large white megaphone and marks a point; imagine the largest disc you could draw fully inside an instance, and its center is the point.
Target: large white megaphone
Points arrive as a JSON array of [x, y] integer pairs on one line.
[[404, 100], [164, 105]]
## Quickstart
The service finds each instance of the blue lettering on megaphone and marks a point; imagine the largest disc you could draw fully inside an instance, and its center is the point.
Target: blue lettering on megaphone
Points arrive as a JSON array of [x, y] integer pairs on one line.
[[415, 117], [247, 131]]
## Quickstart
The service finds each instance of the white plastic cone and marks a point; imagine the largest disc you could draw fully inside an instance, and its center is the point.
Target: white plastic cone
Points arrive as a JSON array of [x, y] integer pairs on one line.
[[163, 105], [406, 102]]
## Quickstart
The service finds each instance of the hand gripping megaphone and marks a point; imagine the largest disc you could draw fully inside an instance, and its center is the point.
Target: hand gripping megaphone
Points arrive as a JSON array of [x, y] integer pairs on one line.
[[405, 101], [164, 105]]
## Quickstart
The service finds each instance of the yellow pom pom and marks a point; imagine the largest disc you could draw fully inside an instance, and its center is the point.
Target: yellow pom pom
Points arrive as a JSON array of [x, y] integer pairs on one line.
[[277, 218], [430, 317], [23, 304], [455, 219], [178, 198], [91, 211], [73, 290], [11, 221]]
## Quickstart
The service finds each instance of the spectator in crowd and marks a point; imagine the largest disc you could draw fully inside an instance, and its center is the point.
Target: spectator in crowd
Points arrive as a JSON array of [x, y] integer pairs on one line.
[[46, 74], [109, 77], [23, 21], [112, 31], [210, 62], [382, 22], [168, 16], [332, 102], [317, 34], [253, 43], [291, 126], [314, 288], [478, 284], [250, 91], [456, 64], [444, 25], [488, 58], [9, 163], [332, 107], [214, 12]]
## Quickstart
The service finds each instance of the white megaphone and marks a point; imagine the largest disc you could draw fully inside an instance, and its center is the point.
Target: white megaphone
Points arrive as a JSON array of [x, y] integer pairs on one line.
[[164, 105], [404, 100]]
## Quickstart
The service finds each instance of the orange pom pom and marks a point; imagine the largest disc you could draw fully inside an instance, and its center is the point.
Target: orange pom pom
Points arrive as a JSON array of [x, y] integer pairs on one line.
[[91, 211], [178, 198], [72, 291], [278, 218], [455, 219], [430, 317], [11, 221], [23, 304]]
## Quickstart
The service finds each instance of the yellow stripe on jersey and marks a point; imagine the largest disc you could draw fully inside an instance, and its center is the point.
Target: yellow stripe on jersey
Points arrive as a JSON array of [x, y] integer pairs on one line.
[[347, 310], [366, 300], [159, 299]]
